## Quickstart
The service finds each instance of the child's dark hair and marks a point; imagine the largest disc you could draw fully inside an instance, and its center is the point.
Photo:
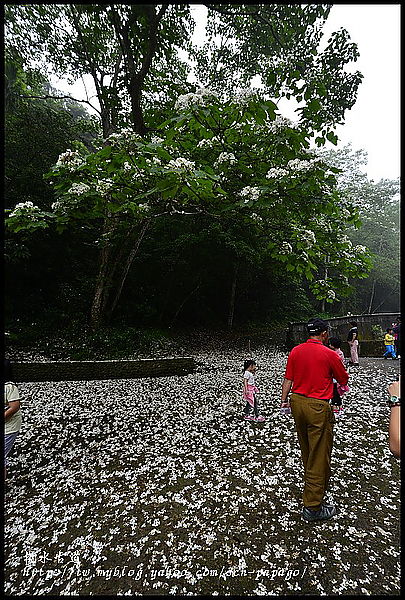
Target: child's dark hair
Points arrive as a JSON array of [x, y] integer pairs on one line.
[[335, 342], [354, 323], [248, 363], [389, 329], [8, 371]]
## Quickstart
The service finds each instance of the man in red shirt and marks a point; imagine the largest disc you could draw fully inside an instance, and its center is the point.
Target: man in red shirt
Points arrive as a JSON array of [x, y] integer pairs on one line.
[[311, 367]]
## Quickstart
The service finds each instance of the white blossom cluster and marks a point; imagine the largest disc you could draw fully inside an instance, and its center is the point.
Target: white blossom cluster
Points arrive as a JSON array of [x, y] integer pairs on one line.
[[280, 123], [127, 166], [308, 237], [299, 165], [249, 193], [156, 140], [70, 159], [124, 135], [64, 205], [78, 189], [276, 173], [244, 96], [205, 143], [103, 187], [225, 157], [360, 249], [285, 248], [28, 209], [202, 97], [181, 163], [331, 294], [256, 217], [155, 160]]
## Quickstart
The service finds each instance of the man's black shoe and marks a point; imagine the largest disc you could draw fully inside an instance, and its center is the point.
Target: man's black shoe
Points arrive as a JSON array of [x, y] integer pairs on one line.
[[323, 514]]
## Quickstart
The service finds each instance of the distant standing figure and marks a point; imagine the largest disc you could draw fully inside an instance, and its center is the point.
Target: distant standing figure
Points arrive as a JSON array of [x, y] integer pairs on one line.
[[353, 341], [397, 336], [251, 410], [12, 413], [389, 344]]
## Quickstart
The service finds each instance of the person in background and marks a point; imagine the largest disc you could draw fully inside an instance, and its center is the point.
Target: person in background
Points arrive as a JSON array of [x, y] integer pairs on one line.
[[251, 410], [397, 337], [394, 390], [12, 412], [338, 390], [353, 341], [389, 344], [310, 370]]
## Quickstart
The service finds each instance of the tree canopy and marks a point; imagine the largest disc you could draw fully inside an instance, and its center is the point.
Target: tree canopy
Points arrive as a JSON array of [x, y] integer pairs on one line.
[[217, 165]]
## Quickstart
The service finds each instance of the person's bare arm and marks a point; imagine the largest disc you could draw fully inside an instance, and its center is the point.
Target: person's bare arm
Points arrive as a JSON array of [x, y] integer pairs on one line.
[[245, 385], [285, 390], [11, 409], [395, 421], [394, 431]]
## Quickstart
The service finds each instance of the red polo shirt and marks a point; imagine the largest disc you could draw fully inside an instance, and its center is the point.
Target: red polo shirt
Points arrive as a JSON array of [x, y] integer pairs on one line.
[[311, 366]]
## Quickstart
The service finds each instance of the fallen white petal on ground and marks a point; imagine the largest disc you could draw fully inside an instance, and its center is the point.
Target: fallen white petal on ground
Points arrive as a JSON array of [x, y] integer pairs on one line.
[[134, 487]]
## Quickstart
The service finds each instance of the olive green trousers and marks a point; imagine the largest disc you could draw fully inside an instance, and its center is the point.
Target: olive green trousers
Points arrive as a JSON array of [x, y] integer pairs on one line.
[[314, 421]]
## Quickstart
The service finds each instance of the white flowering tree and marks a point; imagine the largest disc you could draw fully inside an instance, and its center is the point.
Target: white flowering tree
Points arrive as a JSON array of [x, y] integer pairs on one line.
[[220, 157]]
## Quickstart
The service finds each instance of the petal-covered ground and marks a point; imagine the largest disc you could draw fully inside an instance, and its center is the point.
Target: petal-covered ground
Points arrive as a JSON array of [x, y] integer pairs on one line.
[[157, 486]]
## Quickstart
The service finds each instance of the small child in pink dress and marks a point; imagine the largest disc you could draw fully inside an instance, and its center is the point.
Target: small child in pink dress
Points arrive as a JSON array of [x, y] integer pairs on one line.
[[251, 410], [338, 389]]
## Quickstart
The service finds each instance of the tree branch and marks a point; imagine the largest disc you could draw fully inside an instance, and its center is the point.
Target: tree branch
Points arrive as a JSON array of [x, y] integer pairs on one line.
[[46, 96]]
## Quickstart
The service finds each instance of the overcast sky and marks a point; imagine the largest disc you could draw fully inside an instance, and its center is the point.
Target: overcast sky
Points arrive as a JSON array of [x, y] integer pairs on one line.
[[373, 124]]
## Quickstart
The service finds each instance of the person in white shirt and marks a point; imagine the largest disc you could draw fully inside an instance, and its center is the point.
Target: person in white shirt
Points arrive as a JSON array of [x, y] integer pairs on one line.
[[251, 410], [12, 413]]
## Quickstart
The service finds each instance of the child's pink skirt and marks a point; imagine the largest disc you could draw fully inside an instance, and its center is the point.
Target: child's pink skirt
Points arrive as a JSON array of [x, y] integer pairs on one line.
[[249, 395], [342, 389]]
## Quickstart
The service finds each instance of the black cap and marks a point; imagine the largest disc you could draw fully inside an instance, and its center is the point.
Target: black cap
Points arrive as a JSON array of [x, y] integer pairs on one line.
[[317, 326]]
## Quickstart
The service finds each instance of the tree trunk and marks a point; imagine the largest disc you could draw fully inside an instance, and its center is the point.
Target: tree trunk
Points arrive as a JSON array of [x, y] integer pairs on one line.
[[124, 271], [371, 297], [193, 291], [103, 285], [115, 262], [232, 297]]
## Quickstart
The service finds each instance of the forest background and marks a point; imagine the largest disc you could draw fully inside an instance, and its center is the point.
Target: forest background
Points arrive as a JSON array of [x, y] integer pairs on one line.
[[184, 204]]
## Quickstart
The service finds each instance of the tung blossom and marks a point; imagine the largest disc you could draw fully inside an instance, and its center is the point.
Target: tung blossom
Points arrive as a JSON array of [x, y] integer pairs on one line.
[[28, 209], [244, 96], [205, 143], [249, 193], [154, 161], [70, 159], [308, 237], [279, 123], [202, 97], [296, 164], [181, 163], [78, 189], [285, 248], [225, 157], [276, 172]]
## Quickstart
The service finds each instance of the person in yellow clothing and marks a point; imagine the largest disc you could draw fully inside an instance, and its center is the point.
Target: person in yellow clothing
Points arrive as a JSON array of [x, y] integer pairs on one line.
[[389, 344], [12, 413]]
